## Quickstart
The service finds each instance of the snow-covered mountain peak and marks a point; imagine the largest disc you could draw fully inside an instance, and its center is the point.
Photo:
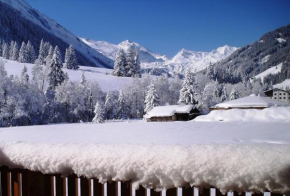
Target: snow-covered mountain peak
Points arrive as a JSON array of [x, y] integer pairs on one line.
[[225, 50]]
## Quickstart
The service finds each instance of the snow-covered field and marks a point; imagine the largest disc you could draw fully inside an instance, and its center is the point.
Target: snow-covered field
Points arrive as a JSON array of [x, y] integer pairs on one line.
[[102, 76], [232, 156]]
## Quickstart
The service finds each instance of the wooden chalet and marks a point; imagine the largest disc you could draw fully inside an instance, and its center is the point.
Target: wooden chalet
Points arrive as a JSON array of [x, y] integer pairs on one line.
[[250, 102], [172, 113]]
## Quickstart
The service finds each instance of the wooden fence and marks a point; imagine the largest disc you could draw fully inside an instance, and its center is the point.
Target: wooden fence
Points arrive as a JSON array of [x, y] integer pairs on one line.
[[18, 182]]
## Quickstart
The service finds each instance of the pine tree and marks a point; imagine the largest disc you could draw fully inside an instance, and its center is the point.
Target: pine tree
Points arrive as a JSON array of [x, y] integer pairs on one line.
[[11, 49], [234, 94], [1, 48], [186, 96], [224, 95], [130, 62], [83, 79], [23, 54], [108, 106], [24, 75], [210, 71], [3, 72], [151, 99], [137, 67], [30, 53], [71, 58], [98, 114], [119, 69], [122, 109], [5, 51], [217, 90], [15, 52], [49, 56], [56, 76], [41, 54]]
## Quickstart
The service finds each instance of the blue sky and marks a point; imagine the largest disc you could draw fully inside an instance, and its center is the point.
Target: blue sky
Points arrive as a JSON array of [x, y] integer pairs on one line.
[[166, 26]]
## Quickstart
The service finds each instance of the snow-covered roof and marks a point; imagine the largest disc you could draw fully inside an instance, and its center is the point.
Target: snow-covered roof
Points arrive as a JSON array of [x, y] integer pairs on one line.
[[169, 110], [251, 101]]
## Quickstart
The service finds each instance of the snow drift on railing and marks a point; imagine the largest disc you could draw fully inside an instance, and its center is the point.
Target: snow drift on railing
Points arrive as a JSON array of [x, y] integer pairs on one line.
[[228, 167]]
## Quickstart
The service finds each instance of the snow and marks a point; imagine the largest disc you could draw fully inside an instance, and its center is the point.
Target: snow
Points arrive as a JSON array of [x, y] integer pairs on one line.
[[268, 114], [168, 110], [252, 101], [272, 70], [280, 40], [240, 156], [102, 76], [265, 59], [285, 84]]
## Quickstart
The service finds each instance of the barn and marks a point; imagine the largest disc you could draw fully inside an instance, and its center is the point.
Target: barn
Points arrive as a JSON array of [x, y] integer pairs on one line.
[[250, 102], [172, 113]]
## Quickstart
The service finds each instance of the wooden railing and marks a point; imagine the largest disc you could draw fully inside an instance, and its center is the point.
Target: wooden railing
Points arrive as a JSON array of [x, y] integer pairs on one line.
[[18, 182]]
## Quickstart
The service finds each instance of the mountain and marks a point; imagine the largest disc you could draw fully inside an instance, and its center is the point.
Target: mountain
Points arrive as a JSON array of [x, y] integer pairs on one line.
[[20, 22], [150, 60], [200, 60], [110, 50], [272, 49]]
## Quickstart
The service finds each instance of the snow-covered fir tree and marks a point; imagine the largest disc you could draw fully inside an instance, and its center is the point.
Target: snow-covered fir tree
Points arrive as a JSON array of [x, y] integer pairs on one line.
[[137, 67], [119, 69], [48, 58], [11, 49], [224, 95], [186, 96], [71, 58], [41, 54], [234, 94], [23, 54], [99, 118], [152, 98], [217, 91], [24, 75], [122, 107], [30, 52], [3, 72], [83, 79], [15, 52], [56, 76], [130, 62], [5, 51], [210, 71]]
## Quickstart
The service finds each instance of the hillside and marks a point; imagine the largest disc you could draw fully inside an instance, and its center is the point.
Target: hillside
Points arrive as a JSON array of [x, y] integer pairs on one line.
[[20, 22], [269, 51], [102, 76]]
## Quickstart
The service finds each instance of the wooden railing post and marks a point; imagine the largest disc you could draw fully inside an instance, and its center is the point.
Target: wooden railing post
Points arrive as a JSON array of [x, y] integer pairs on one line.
[[112, 188], [204, 192], [141, 191], [126, 188], [172, 192], [155, 193], [187, 191]]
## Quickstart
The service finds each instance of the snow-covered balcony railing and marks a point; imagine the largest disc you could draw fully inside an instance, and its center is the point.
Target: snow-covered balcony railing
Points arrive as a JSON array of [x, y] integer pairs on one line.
[[238, 156], [19, 182]]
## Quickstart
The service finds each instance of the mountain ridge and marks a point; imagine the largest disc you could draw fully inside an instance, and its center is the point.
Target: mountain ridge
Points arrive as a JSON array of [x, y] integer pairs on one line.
[[52, 31]]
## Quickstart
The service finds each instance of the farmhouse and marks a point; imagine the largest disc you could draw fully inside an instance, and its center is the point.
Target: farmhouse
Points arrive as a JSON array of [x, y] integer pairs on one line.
[[279, 95], [251, 102], [172, 113]]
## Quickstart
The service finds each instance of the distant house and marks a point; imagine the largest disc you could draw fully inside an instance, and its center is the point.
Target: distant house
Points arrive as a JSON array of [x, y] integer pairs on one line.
[[279, 95], [250, 102], [172, 113]]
